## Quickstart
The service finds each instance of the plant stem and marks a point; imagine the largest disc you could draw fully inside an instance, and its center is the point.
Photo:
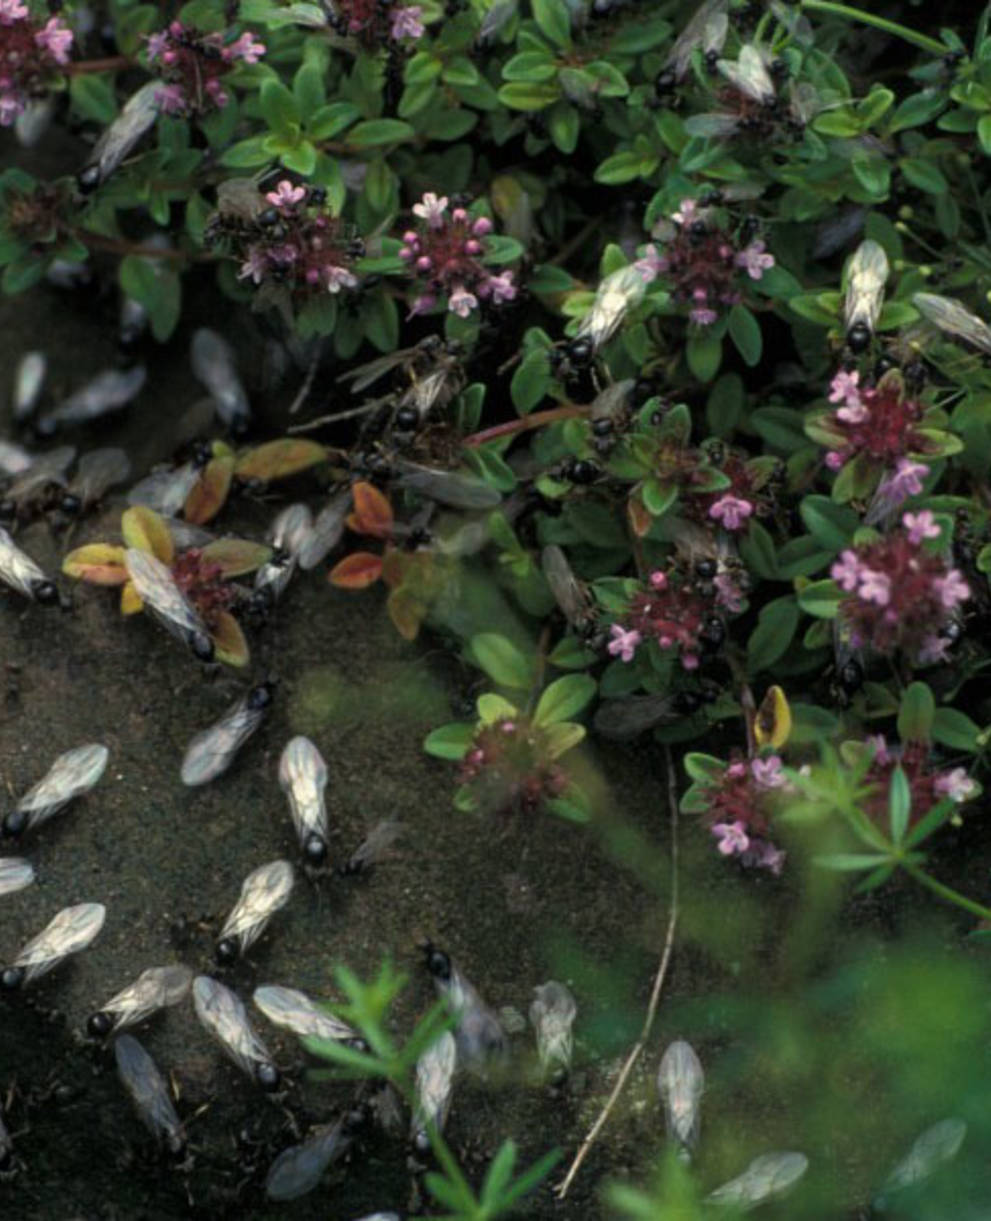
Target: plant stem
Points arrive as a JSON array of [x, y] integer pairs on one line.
[[116, 245], [880, 23], [527, 423], [947, 893]]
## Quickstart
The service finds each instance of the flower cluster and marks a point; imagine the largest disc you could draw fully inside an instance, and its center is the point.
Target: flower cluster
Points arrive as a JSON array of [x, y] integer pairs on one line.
[[900, 594], [679, 612], [740, 806], [733, 507], [30, 55], [374, 22], [444, 254], [926, 785], [509, 765], [297, 243], [192, 64], [703, 263], [880, 423]]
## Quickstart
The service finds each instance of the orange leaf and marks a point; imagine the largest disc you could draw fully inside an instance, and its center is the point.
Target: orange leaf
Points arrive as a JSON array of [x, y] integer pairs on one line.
[[279, 459], [395, 565], [143, 529], [208, 494], [356, 571], [372, 511], [98, 563], [229, 643], [640, 519]]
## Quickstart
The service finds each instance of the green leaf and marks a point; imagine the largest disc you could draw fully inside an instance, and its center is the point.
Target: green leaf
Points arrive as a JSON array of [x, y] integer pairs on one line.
[[915, 713], [703, 768], [849, 862], [923, 175], [330, 120], [92, 95], [157, 287], [744, 330], [530, 66], [529, 95], [830, 524], [564, 126], [899, 804], [625, 167], [279, 109], [725, 404], [704, 354], [772, 637], [246, 154], [22, 274], [955, 729], [917, 109], [531, 382], [301, 158], [562, 736], [492, 708], [564, 698], [501, 660], [984, 134], [375, 132], [449, 741], [757, 550], [459, 71], [308, 89], [821, 599], [554, 21]]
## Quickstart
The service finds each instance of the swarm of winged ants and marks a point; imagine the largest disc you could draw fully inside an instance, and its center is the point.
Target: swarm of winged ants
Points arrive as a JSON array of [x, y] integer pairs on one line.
[[478, 1037]]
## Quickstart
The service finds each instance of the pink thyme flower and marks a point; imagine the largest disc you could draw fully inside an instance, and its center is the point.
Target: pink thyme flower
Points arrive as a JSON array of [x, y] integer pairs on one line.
[[406, 23], [686, 212], [920, 525], [500, 288], [431, 209], [952, 589], [623, 644], [875, 587], [731, 511], [754, 260], [56, 38], [462, 302], [651, 264], [10, 107], [286, 195], [703, 316], [157, 45], [12, 11], [245, 49], [658, 579], [255, 265], [835, 460], [762, 854], [852, 413], [956, 785], [337, 278], [844, 388], [170, 99], [846, 571], [422, 304], [732, 836], [767, 772], [905, 482], [934, 649]]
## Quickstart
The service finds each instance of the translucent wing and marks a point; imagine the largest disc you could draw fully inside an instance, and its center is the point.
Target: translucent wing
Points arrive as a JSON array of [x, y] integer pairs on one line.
[[46, 469], [477, 1030], [447, 487], [28, 382], [15, 874], [372, 371], [303, 779], [766, 1177], [14, 459], [749, 74], [720, 126], [621, 719], [240, 199], [866, 278], [571, 595], [150, 1095], [434, 1084], [212, 751], [212, 359], [615, 297], [69, 932], [680, 1082], [707, 29], [70, 776], [293, 1010], [155, 988], [954, 319], [223, 1015], [936, 1145], [288, 533], [552, 1015], [374, 847], [138, 116], [108, 391], [298, 1169], [157, 589], [21, 573], [97, 471], [264, 892], [165, 491], [327, 531]]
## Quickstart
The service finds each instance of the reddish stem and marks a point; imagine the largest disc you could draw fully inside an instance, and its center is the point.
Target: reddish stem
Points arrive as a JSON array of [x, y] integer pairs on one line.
[[527, 423], [81, 67], [114, 245]]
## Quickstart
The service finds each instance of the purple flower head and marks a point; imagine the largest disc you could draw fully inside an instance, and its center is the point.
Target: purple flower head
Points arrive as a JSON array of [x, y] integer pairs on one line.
[[170, 99], [245, 48], [686, 212], [500, 288], [286, 195], [651, 264], [731, 511], [157, 45], [844, 388], [11, 105], [431, 209], [879, 744], [406, 23], [337, 278], [846, 571], [956, 785], [767, 772], [933, 649], [702, 316], [12, 11], [762, 854], [835, 460], [952, 589], [623, 644], [920, 525], [875, 587], [905, 482], [56, 38], [462, 302], [423, 304], [732, 836], [255, 265], [754, 260], [853, 413]]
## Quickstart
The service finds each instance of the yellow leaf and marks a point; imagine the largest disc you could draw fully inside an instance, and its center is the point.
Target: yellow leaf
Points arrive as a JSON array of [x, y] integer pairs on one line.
[[279, 459], [407, 612], [130, 603], [143, 529], [98, 563], [772, 724], [229, 643], [236, 556], [562, 737]]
